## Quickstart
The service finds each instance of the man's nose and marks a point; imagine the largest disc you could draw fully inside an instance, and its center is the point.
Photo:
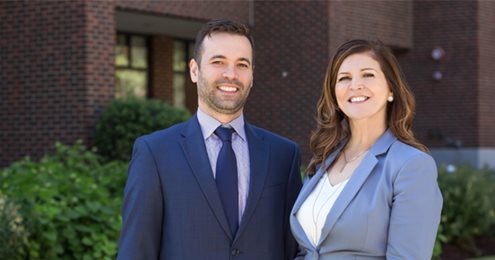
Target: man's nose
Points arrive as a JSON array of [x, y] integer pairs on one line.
[[230, 73]]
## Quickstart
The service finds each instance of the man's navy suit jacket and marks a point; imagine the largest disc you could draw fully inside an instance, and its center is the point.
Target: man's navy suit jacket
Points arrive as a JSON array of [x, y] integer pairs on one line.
[[172, 209]]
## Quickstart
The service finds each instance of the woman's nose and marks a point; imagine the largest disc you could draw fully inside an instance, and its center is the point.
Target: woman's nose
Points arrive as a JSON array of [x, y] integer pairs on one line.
[[356, 84]]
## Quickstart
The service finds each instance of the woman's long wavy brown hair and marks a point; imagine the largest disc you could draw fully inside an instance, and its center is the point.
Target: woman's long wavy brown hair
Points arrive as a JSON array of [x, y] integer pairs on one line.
[[332, 126]]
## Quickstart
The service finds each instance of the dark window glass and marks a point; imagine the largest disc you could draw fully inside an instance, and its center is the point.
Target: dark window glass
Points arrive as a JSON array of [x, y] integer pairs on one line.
[[121, 51], [131, 62], [139, 52], [181, 56]]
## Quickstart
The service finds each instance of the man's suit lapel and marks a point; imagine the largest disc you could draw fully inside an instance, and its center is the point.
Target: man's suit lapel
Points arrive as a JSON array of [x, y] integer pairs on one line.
[[258, 161], [194, 148], [356, 181]]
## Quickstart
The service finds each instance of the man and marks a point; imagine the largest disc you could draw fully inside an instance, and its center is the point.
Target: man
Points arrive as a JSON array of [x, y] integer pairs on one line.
[[214, 187]]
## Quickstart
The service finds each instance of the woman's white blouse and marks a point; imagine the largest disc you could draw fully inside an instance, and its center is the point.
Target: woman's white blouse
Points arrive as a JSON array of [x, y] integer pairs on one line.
[[314, 210]]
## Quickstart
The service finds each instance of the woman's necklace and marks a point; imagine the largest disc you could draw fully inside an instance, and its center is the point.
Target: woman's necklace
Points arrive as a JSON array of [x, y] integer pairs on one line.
[[351, 160], [316, 217]]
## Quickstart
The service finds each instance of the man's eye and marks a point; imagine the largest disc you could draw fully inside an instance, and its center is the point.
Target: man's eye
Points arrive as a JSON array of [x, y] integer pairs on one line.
[[243, 65], [217, 62]]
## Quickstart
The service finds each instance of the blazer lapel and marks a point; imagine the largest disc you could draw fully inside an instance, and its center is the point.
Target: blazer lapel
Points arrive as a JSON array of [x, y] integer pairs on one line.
[[308, 187], [194, 148], [350, 190], [259, 157], [356, 181], [310, 183]]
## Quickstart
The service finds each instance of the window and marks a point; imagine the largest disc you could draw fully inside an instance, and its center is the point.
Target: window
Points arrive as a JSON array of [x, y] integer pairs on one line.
[[132, 63], [182, 53]]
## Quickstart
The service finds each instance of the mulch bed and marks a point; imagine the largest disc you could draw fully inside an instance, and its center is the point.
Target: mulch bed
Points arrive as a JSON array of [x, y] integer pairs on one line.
[[486, 247]]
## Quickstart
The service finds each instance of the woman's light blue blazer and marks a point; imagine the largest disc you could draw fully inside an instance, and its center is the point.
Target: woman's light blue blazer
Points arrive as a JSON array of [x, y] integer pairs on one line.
[[389, 209]]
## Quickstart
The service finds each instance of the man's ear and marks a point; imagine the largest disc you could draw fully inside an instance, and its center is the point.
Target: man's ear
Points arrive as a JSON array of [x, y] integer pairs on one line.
[[193, 70]]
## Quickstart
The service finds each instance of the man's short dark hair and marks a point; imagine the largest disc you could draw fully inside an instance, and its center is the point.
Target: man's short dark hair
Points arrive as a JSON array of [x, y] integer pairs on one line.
[[224, 26]]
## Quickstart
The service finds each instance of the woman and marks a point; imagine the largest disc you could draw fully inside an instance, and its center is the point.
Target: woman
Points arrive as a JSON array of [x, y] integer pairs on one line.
[[371, 189]]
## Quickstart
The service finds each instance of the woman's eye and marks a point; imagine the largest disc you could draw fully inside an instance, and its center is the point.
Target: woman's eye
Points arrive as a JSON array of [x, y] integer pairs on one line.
[[368, 75], [243, 65], [344, 79]]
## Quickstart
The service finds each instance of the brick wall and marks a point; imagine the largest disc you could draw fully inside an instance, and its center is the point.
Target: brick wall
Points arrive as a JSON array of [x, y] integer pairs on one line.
[[99, 46], [486, 75], [447, 108], [161, 68], [291, 56], [296, 40], [57, 64], [46, 76], [202, 10], [389, 21]]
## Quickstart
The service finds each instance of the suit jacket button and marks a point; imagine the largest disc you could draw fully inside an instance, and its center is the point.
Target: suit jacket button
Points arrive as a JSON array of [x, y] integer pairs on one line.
[[235, 252]]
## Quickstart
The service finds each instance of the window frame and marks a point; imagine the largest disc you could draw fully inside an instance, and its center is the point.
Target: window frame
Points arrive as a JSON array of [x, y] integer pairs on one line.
[[148, 70]]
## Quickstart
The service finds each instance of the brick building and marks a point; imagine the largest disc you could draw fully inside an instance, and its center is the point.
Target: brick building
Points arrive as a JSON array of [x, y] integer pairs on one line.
[[61, 62]]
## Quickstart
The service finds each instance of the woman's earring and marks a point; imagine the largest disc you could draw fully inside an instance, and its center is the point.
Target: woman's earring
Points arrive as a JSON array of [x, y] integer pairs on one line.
[[390, 98]]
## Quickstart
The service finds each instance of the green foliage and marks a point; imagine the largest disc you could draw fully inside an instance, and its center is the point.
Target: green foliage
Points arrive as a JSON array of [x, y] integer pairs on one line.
[[441, 239], [13, 233], [124, 120], [72, 201], [468, 207]]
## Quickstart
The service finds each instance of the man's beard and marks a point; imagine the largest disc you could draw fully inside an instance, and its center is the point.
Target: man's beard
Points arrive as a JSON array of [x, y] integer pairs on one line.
[[207, 93]]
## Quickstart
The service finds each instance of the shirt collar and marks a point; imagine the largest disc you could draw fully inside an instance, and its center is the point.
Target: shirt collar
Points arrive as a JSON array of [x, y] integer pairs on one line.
[[209, 124]]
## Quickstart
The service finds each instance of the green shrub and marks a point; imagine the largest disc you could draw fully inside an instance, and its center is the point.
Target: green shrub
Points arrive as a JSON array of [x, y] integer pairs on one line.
[[124, 120], [468, 206], [72, 201], [13, 233], [440, 240]]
